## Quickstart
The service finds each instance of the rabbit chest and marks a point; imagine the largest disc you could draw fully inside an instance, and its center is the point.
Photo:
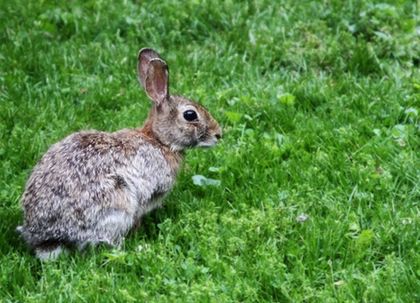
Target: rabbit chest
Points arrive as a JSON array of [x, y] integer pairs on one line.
[[147, 177]]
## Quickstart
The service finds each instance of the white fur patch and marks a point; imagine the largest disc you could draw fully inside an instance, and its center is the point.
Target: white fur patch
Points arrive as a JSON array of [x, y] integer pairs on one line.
[[48, 255], [209, 143]]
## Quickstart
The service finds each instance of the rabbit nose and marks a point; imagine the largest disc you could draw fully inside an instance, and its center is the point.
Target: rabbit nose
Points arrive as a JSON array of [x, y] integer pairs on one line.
[[217, 130]]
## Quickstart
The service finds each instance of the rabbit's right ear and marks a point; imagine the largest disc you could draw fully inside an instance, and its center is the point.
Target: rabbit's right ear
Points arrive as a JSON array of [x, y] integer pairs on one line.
[[153, 75]]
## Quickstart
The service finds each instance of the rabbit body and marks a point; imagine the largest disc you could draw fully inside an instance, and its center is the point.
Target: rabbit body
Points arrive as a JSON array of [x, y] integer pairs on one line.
[[93, 187]]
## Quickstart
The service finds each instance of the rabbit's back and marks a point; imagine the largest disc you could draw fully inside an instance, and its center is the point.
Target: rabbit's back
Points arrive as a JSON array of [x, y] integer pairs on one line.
[[91, 180]]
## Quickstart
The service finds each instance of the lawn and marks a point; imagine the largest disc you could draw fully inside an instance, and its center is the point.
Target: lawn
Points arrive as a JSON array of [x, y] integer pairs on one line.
[[319, 167]]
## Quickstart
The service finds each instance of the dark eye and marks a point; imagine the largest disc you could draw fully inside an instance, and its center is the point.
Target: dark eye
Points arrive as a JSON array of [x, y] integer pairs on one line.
[[190, 115]]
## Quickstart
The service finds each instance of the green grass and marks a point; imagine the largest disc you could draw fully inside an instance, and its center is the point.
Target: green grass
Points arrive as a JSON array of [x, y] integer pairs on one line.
[[319, 102]]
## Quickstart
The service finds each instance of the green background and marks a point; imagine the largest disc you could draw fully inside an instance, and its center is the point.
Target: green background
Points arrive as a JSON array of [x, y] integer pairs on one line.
[[319, 166]]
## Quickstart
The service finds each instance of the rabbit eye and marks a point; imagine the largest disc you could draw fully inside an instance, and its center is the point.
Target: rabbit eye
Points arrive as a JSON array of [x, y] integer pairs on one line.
[[190, 115]]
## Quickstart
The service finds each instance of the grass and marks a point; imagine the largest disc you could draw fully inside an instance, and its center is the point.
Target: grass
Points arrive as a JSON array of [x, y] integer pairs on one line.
[[319, 166]]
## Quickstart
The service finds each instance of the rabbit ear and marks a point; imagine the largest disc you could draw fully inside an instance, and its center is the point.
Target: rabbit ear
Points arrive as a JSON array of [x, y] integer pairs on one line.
[[157, 81], [144, 58], [153, 75]]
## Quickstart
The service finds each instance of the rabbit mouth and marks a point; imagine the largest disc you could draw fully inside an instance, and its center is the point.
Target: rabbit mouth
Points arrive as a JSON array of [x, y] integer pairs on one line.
[[207, 143]]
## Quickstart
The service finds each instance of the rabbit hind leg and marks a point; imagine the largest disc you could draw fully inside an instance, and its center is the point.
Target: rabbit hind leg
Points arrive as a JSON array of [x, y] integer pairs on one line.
[[48, 251], [112, 228]]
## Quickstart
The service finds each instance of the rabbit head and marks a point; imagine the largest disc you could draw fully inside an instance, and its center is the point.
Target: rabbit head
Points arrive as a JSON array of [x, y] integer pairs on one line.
[[175, 121]]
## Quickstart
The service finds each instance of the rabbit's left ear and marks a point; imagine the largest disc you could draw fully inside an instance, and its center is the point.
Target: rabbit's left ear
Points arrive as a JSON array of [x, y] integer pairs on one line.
[[153, 74]]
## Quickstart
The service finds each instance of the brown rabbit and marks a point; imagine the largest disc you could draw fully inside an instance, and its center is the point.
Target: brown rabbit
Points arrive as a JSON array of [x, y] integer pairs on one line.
[[93, 187]]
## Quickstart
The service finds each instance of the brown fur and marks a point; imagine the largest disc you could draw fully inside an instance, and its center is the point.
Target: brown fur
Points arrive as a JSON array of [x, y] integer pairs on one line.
[[174, 158], [93, 187]]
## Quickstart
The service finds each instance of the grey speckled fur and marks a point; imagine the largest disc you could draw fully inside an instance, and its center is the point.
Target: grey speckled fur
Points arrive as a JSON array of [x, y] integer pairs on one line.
[[93, 187]]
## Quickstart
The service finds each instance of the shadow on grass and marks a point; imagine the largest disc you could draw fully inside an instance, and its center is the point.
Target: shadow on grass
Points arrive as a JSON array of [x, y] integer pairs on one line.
[[149, 228], [10, 239]]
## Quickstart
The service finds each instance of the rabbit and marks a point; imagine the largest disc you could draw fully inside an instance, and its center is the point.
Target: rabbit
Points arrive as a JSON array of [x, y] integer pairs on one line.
[[93, 187]]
